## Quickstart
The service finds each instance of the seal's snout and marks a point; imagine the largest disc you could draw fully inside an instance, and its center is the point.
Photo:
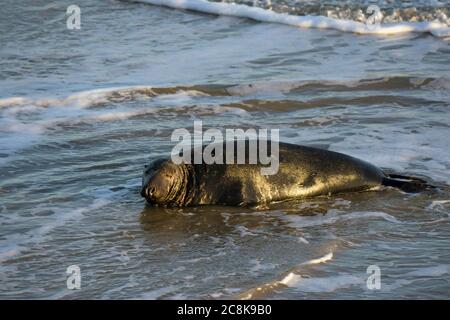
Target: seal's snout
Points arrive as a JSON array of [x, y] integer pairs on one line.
[[147, 192], [150, 191]]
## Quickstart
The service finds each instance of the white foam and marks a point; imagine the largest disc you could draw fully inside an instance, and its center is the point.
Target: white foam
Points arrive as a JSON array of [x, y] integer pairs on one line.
[[258, 266], [333, 217], [323, 259], [396, 148], [439, 83], [243, 11], [314, 284], [13, 101], [438, 203], [88, 98], [18, 133], [80, 99], [434, 271], [180, 96], [244, 231], [291, 279], [328, 284], [303, 240], [438, 271], [13, 244]]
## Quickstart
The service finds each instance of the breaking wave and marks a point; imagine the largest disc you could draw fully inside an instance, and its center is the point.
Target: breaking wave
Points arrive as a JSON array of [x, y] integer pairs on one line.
[[345, 18], [96, 97]]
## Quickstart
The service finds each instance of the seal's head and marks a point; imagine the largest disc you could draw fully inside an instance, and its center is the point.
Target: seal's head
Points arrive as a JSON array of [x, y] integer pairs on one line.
[[165, 183]]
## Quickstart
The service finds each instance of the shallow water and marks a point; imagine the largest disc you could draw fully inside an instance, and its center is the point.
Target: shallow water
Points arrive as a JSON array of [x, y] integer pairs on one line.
[[82, 111]]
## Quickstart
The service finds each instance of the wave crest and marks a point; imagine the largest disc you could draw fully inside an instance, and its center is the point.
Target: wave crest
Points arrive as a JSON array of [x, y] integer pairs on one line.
[[350, 21]]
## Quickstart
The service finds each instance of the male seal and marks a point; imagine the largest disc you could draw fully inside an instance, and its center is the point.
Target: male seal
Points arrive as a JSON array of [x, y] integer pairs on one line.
[[303, 172]]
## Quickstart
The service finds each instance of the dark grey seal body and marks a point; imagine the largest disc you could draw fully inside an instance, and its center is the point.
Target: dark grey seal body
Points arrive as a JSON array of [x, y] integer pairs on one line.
[[303, 172]]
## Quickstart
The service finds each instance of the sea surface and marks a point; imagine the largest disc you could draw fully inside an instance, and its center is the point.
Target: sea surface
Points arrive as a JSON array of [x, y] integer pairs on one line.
[[83, 110]]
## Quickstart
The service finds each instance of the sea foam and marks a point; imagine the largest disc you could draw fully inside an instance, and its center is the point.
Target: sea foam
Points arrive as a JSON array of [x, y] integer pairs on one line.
[[436, 28]]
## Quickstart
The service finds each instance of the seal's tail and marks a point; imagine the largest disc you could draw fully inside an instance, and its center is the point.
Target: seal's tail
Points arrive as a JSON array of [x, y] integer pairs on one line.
[[406, 184]]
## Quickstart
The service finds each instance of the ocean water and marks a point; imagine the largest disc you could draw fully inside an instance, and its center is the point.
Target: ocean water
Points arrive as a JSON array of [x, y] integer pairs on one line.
[[82, 111]]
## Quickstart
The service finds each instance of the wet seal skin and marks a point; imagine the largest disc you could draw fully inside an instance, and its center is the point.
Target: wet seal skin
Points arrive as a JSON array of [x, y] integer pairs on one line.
[[303, 172]]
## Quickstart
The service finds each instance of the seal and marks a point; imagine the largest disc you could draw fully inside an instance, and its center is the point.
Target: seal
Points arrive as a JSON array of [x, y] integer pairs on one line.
[[303, 172]]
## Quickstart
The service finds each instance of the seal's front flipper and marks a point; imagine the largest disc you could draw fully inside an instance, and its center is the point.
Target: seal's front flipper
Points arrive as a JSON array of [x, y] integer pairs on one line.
[[406, 184]]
